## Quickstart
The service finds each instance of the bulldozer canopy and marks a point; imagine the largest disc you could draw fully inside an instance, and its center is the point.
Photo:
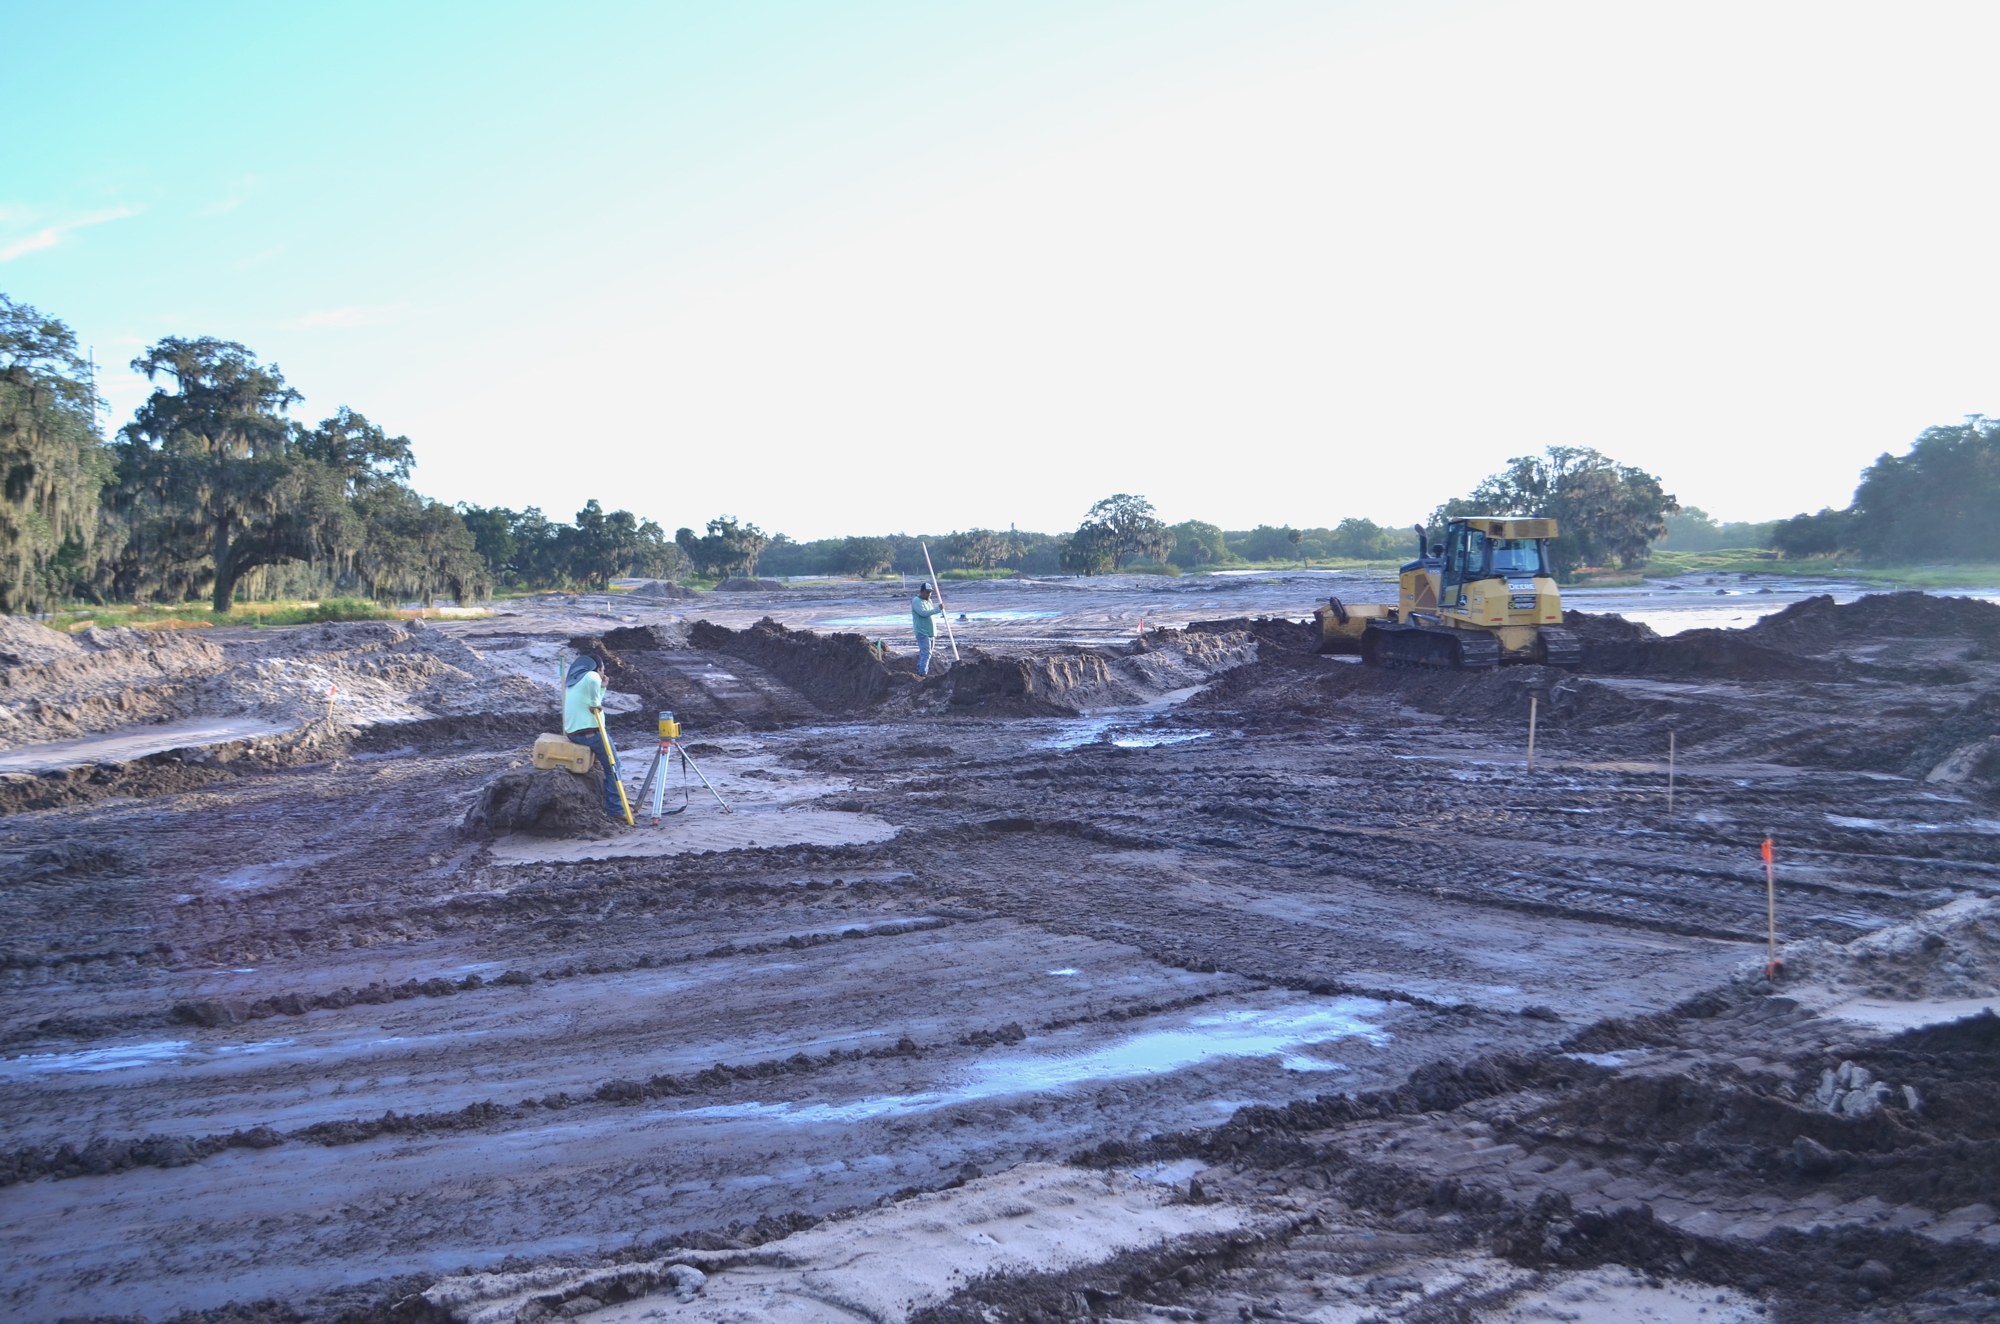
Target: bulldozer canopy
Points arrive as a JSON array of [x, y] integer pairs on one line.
[[1512, 528]]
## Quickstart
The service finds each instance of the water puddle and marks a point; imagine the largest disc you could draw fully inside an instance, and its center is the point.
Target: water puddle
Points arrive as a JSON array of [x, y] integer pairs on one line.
[[251, 876], [1622, 1058], [1981, 826], [1866, 923], [137, 742], [124, 1057], [1150, 740], [1283, 1033], [902, 619], [1119, 731], [1077, 732], [1170, 1174], [1676, 620]]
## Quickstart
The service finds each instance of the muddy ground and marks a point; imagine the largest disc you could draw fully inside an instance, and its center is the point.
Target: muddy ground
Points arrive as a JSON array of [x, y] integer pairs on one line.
[[1189, 974]]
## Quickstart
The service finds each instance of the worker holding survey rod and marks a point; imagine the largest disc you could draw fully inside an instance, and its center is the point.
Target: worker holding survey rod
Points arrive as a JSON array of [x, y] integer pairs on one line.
[[924, 611], [924, 608], [583, 722]]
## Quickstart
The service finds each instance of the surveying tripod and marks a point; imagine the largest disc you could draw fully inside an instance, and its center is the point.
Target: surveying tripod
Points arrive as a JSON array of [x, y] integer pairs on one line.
[[656, 775]]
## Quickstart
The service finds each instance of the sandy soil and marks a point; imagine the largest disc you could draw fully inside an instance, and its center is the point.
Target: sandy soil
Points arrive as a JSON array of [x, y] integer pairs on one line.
[[989, 967]]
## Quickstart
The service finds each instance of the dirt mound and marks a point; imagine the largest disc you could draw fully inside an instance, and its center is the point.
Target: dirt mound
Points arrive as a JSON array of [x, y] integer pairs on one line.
[[640, 638], [1166, 660], [1044, 685], [1815, 639], [24, 640], [660, 588], [1950, 952], [844, 674], [1819, 625], [546, 802], [115, 678], [1066, 683], [1300, 638], [355, 676], [1714, 654], [1975, 765], [368, 673], [747, 585], [1606, 628], [837, 673]]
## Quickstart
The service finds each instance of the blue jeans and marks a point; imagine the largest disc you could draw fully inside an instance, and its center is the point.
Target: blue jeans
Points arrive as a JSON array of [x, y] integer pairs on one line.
[[612, 805], [924, 642]]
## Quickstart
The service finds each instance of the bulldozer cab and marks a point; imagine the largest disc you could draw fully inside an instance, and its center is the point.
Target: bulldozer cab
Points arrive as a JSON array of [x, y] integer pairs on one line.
[[1476, 550]]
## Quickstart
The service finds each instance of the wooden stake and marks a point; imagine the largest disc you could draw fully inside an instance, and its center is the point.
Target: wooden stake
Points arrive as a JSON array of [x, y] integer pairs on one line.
[[1771, 914], [1534, 704], [1670, 774]]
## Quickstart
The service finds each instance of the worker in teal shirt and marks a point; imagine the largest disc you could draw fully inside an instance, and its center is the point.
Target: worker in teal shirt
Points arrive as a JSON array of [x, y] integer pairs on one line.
[[923, 614], [583, 702]]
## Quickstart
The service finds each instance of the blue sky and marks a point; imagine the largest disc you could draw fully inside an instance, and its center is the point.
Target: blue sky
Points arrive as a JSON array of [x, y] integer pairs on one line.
[[876, 266]]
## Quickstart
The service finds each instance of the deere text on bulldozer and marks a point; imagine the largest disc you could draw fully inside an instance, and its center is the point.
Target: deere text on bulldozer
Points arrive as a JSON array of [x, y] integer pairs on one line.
[[1482, 596]]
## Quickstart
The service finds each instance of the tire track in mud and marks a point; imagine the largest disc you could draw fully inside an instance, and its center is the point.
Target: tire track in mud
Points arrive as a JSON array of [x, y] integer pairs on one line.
[[575, 1194], [1692, 878], [101, 1156], [1715, 1172]]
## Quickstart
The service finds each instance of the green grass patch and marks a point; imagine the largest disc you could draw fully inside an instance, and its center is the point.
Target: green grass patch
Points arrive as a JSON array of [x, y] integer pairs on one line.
[[191, 616], [977, 574], [1728, 561], [336, 609], [1151, 568], [1318, 563], [1755, 561], [1965, 574], [181, 616]]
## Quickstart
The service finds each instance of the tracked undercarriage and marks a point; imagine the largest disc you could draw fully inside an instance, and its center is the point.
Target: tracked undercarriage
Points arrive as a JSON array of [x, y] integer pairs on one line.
[[1418, 644]]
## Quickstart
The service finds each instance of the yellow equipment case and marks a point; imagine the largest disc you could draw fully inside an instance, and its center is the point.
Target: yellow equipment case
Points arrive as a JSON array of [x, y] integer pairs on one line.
[[562, 752]]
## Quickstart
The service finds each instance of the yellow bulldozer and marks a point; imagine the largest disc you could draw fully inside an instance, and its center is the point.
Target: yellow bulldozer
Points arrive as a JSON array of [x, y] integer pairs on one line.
[[1482, 596]]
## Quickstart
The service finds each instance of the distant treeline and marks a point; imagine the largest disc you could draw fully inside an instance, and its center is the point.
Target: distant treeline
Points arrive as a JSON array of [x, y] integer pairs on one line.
[[1935, 503], [1692, 529], [213, 490], [525, 549], [1195, 545]]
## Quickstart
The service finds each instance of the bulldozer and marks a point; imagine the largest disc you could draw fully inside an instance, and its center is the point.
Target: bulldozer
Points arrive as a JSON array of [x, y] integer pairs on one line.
[[1482, 596]]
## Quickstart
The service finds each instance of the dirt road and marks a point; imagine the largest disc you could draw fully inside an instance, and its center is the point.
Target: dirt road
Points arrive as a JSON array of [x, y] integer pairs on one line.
[[1429, 1029]]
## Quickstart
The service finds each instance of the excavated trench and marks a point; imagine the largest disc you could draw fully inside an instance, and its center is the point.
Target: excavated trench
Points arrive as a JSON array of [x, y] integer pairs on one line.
[[1433, 1036]]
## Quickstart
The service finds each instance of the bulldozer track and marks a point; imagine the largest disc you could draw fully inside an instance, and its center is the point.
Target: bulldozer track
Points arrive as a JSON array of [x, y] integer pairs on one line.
[[1405, 645]]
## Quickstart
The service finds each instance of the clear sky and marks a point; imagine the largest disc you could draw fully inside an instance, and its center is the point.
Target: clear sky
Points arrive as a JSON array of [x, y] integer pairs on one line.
[[884, 265]]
